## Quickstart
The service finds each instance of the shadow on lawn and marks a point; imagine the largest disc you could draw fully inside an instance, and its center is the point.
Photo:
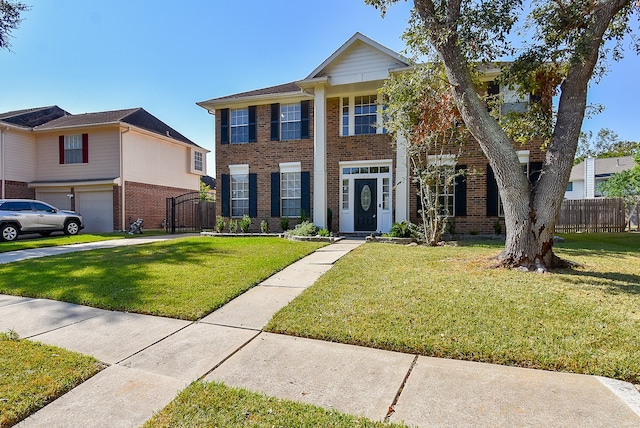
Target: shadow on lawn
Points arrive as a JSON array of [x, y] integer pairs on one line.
[[113, 279], [612, 282]]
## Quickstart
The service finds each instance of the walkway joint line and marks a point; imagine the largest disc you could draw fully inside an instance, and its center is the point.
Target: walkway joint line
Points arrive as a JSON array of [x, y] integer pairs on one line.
[[229, 356], [397, 397]]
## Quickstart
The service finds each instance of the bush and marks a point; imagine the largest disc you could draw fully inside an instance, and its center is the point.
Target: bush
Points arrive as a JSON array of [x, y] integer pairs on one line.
[[284, 224], [264, 226], [245, 223], [401, 229], [324, 232], [233, 226], [305, 228], [220, 224]]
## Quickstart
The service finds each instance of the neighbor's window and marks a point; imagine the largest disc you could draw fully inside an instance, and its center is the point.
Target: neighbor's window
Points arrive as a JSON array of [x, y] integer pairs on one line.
[[197, 161], [570, 186], [240, 125], [239, 195], [290, 121], [73, 148]]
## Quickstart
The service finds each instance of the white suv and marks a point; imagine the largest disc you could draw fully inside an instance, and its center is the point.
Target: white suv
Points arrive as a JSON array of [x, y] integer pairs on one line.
[[18, 216]]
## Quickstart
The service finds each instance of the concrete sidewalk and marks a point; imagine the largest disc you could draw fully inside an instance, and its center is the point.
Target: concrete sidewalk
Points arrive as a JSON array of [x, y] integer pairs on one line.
[[152, 358]]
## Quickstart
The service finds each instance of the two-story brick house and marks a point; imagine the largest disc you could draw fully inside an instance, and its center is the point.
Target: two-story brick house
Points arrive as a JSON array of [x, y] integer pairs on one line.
[[113, 166], [317, 145]]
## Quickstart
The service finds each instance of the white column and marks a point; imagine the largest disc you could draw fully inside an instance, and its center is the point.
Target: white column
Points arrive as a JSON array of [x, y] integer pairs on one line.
[[402, 181], [590, 177], [320, 158]]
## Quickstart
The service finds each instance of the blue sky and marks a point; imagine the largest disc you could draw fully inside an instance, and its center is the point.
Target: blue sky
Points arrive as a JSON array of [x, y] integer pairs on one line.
[[164, 56]]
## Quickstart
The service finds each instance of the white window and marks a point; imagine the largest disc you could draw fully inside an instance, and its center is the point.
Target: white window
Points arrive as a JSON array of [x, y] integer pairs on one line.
[[239, 190], [290, 121], [290, 189], [345, 194], [73, 148], [240, 125], [386, 193], [360, 115], [197, 161], [445, 189]]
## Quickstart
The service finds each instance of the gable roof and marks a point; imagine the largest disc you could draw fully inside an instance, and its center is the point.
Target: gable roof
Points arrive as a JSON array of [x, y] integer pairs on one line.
[[355, 40], [32, 117], [135, 116]]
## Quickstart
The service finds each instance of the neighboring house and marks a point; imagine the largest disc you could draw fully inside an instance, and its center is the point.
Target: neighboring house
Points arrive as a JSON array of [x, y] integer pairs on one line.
[[587, 175], [113, 167], [316, 145]]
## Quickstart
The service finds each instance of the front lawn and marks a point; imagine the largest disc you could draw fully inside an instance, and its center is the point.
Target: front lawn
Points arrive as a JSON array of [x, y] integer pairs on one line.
[[205, 404], [446, 302], [33, 374], [184, 278]]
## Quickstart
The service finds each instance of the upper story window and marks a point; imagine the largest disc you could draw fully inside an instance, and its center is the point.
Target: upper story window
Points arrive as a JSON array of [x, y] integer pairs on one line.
[[360, 115], [290, 121], [240, 125], [197, 161], [73, 148]]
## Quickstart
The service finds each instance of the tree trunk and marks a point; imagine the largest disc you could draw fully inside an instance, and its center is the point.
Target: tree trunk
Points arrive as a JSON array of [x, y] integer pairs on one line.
[[530, 210]]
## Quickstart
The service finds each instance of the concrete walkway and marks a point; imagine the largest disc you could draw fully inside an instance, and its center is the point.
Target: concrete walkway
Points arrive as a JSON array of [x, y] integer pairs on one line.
[[152, 358]]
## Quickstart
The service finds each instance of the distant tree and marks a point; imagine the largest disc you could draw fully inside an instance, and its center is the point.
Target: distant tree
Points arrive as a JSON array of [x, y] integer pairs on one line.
[[9, 20], [422, 116], [625, 185], [606, 144], [567, 43], [205, 192]]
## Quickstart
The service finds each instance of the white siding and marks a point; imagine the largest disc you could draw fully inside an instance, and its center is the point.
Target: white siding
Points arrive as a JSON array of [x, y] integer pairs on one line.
[[360, 63], [156, 161], [20, 154], [103, 157]]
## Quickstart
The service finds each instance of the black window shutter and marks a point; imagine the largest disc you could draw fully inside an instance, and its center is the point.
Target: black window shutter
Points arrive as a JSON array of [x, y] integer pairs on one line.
[[460, 193], [224, 126], [492, 193], [252, 124], [61, 149], [304, 119], [253, 195], [535, 168], [225, 197], [305, 192], [85, 148], [275, 122], [275, 194]]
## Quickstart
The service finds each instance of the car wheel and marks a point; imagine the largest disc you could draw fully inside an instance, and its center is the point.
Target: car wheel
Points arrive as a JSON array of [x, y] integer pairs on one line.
[[45, 233], [72, 227], [8, 232]]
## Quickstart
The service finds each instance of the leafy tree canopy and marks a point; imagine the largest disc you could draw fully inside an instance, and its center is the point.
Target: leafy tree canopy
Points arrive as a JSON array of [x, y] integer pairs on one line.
[[605, 144], [9, 20]]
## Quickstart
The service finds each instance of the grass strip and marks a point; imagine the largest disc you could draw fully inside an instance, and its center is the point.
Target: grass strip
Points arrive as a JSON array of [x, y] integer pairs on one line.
[[185, 278], [33, 374], [446, 302], [205, 404]]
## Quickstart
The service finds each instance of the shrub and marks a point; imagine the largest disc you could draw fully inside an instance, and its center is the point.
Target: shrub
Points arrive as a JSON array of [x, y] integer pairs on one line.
[[324, 232], [305, 228], [264, 226], [220, 224], [245, 223], [401, 229], [284, 224], [233, 226], [497, 227]]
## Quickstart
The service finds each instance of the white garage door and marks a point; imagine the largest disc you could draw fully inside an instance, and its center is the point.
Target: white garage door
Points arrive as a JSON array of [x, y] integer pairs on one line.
[[57, 199], [96, 208]]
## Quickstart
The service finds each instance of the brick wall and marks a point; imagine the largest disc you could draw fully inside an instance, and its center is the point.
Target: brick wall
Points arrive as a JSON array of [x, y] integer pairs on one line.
[[263, 158], [144, 201], [18, 190]]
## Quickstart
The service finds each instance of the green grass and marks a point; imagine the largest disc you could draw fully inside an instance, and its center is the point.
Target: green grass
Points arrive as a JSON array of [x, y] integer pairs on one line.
[[33, 374], [32, 241], [184, 278], [215, 405], [446, 302]]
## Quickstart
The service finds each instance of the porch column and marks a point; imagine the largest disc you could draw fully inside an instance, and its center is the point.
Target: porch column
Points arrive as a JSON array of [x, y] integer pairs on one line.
[[319, 158], [401, 181]]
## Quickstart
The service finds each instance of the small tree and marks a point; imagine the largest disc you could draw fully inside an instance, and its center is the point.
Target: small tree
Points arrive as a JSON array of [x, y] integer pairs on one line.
[[206, 194], [422, 115], [625, 185]]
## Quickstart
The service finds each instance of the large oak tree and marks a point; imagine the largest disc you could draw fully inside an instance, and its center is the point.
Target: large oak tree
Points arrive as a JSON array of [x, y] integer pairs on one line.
[[565, 47]]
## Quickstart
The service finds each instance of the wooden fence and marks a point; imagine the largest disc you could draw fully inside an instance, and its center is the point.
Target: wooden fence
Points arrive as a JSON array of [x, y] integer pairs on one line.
[[591, 215]]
